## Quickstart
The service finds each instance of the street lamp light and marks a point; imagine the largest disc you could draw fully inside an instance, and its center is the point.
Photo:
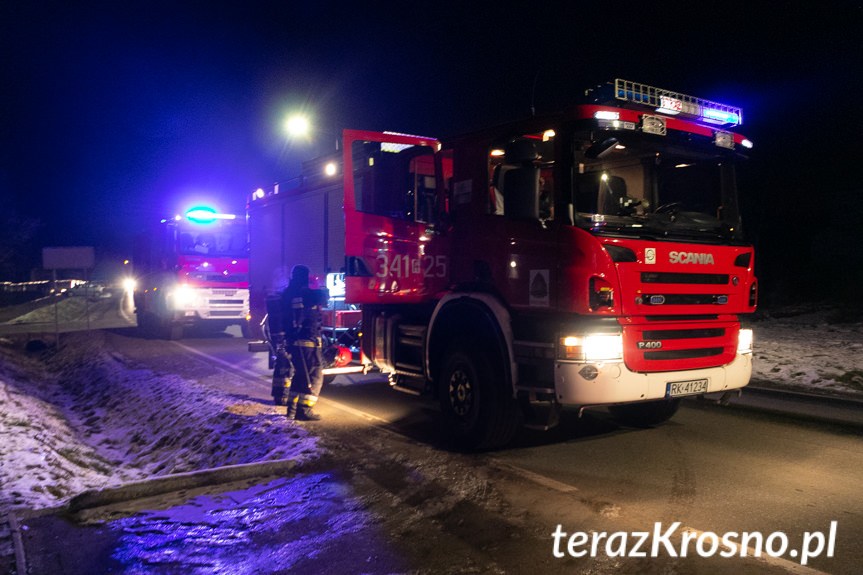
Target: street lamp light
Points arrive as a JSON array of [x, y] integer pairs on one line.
[[300, 126], [297, 126]]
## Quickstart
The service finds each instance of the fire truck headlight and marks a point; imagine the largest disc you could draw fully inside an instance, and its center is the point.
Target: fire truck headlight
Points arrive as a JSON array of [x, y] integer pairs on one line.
[[744, 341], [603, 348], [129, 284], [183, 296], [595, 348]]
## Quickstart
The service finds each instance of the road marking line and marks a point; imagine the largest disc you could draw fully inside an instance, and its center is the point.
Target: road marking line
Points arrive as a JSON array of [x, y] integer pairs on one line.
[[535, 477], [124, 313]]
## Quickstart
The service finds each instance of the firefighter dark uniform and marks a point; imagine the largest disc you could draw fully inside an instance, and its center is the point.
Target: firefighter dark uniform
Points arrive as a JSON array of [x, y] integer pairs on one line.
[[303, 330], [283, 369]]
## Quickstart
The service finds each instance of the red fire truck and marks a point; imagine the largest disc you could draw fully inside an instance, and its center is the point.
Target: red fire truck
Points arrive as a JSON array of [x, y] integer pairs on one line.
[[193, 270], [590, 258]]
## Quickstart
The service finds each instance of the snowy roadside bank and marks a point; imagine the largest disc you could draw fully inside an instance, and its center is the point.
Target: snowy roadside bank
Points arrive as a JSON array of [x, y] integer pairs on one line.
[[810, 349], [81, 417]]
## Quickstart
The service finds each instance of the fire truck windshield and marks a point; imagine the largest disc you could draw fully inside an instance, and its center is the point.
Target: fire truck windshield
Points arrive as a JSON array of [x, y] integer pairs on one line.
[[674, 192], [228, 242]]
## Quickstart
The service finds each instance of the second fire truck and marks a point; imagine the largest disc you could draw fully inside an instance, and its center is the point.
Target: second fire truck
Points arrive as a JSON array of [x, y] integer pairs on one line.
[[193, 270]]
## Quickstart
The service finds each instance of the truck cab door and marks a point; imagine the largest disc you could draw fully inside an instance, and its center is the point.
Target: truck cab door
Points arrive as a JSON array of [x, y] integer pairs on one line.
[[395, 201]]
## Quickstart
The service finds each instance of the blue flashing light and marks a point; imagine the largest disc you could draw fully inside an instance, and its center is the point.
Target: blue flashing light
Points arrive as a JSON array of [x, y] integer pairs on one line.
[[205, 215], [720, 116]]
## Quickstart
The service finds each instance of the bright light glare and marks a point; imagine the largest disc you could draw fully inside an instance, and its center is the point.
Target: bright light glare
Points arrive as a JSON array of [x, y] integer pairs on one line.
[[744, 341], [606, 115], [129, 284], [207, 215], [183, 296], [330, 169], [297, 126], [603, 347], [720, 116]]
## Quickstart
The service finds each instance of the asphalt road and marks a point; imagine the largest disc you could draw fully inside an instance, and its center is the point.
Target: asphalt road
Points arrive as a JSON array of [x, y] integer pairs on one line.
[[772, 467]]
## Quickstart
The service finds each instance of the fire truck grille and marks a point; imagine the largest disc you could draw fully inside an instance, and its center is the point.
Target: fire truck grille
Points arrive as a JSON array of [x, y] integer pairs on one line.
[[221, 278], [678, 278], [226, 302], [685, 298], [224, 292], [650, 348], [223, 313], [683, 333], [679, 354]]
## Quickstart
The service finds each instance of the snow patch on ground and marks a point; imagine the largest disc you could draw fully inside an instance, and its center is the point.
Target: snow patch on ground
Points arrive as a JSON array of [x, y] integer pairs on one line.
[[81, 417], [809, 349]]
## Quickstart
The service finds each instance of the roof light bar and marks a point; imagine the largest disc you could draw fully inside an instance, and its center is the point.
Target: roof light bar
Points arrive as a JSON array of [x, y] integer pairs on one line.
[[673, 103], [207, 215]]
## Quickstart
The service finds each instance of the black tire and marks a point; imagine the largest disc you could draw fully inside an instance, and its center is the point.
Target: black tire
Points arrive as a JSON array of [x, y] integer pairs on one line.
[[645, 414], [478, 409], [148, 324], [167, 329], [175, 332]]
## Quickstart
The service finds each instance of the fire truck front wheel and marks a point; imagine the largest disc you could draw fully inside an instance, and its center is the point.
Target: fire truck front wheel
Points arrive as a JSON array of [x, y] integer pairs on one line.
[[645, 414], [479, 412]]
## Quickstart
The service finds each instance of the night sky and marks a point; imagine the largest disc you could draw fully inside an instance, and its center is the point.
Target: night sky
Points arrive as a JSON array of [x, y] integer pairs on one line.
[[119, 113]]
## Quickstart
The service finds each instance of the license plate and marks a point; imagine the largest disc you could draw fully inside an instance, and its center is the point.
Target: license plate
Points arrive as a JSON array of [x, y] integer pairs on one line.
[[691, 387]]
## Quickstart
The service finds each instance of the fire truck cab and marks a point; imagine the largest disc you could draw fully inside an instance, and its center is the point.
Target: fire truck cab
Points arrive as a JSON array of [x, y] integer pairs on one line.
[[591, 258], [193, 270]]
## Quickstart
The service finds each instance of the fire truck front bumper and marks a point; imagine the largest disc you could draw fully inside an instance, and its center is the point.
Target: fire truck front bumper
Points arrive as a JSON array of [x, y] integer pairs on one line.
[[585, 384]]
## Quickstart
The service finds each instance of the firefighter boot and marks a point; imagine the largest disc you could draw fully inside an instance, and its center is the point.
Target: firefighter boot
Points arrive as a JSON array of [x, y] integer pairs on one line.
[[292, 409], [305, 413]]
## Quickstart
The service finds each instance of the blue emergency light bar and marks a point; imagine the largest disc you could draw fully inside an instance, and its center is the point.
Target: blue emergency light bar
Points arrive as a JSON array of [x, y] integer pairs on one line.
[[206, 215], [673, 103]]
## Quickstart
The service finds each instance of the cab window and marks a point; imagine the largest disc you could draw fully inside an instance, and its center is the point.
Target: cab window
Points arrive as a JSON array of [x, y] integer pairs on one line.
[[397, 184], [521, 177]]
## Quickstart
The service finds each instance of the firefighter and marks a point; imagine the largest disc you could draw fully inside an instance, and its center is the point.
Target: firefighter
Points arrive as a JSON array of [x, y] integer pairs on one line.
[[303, 320], [282, 366]]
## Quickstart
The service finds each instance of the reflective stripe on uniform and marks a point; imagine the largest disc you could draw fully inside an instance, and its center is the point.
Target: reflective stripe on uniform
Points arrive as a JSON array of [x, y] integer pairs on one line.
[[304, 399]]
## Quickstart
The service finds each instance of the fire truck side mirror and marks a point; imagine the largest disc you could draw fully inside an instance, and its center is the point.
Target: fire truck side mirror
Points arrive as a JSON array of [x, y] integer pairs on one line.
[[600, 149]]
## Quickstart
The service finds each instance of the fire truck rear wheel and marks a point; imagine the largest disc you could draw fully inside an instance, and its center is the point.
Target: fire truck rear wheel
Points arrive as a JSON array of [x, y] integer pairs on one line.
[[645, 414], [166, 329], [478, 411]]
